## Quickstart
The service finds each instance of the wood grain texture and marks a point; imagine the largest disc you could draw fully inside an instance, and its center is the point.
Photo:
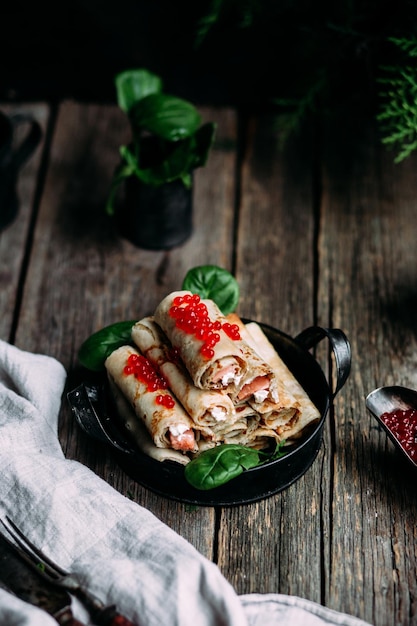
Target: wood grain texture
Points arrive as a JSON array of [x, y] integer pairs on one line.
[[276, 229], [368, 279], [15, 238]]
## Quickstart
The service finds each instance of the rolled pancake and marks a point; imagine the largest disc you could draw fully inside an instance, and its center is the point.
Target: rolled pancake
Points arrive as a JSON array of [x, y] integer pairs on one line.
[[168, 426], [243, 429], [224, 369], [138, 432], [207, 408], [259, 384], [262, 438], [307, 412], [241, 432], [259, 435]]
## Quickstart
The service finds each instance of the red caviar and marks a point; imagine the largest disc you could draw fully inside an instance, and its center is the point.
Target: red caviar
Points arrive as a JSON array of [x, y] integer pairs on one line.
[[164, 400], [232, 331], [403, 425], [142, 369], [191, 316]]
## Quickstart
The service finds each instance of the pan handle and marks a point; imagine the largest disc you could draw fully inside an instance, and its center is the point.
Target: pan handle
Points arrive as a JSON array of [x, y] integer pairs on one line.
[[340, 345]]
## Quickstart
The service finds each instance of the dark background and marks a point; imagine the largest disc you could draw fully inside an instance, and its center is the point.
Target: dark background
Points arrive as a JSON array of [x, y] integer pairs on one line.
[[256, 53]]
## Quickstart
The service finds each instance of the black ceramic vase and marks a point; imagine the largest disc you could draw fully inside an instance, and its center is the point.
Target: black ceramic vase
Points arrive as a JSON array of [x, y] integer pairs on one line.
[[155, 218]]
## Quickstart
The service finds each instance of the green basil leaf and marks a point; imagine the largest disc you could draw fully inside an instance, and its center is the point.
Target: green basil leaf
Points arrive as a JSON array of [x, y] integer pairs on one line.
[[213, 283], [277, 453], [95, 350], [133, 85], [177, 164], [176, 161], [218, 465], [165, 116]]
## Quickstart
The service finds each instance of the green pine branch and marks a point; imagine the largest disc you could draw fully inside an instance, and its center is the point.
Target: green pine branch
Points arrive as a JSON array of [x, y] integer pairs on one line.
[[398, 114]]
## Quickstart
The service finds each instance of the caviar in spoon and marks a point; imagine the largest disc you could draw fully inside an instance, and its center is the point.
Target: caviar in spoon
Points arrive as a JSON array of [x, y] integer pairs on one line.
[[395, 408]]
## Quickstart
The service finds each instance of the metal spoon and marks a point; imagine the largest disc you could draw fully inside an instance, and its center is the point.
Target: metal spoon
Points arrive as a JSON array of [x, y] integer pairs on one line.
[[95, 424], [389, 399]]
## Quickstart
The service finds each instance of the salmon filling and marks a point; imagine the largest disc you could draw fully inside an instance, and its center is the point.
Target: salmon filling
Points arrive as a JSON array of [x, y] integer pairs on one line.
[[258, 384], [226, 375], [182, 441]]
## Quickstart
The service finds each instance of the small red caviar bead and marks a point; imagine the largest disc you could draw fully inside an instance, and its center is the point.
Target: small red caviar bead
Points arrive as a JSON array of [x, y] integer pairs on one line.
[[201, 333], [207, 351], [165, 400], [231, 330], [192, 317], [212, 339], [175, 311], [143, 370]]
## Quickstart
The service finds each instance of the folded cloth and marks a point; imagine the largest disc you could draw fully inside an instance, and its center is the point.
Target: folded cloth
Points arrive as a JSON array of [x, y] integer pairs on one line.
[[121, 551]]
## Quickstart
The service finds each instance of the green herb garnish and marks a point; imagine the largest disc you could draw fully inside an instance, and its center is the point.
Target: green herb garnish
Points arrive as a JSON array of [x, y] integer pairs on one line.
[[95, 350], [181, 143], [221, 464], [214, 283]]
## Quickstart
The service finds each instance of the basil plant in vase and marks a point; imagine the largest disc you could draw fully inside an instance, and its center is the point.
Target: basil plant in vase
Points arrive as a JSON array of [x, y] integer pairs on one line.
[[168, 143]]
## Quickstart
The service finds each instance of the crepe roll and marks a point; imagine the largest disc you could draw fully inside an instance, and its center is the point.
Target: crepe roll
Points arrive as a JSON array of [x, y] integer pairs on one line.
[[204, 339], [262, 438], [138, 433], [165, 419], [208, 409], [240, 432], [307, 413], [259, 384], [283, 414]]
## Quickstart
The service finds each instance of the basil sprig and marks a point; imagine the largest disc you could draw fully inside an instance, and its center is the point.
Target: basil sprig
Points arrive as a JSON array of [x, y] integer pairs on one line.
[[181, 142], [221, 464], [213, 283], [95, 350]]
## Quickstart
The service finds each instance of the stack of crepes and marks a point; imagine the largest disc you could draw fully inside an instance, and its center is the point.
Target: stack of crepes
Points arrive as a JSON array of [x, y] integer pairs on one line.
[[194, 378]]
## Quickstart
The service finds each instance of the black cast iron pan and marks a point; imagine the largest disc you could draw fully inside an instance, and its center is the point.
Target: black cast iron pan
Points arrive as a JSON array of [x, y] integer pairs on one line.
[[167, 478]]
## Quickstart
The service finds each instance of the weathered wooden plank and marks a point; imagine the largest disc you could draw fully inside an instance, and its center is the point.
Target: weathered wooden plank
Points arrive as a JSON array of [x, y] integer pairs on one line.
[[368, 277], [13, 239], [275, 256], [275, 545], [82, 276]]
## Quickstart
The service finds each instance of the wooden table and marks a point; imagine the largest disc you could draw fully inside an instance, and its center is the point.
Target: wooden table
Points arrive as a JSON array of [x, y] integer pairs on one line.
[[321, 232]]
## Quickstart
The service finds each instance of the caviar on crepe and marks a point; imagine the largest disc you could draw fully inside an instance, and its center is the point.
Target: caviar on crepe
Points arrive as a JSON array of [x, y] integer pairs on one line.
[[141, 368], [191, 316]]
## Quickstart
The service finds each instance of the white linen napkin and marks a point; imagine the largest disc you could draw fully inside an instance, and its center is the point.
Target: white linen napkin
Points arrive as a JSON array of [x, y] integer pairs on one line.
[[121, 551]]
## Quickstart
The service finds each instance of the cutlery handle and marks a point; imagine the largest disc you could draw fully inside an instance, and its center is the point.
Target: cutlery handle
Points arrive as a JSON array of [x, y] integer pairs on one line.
[[66, 618], [110, 617], [120, 620]]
